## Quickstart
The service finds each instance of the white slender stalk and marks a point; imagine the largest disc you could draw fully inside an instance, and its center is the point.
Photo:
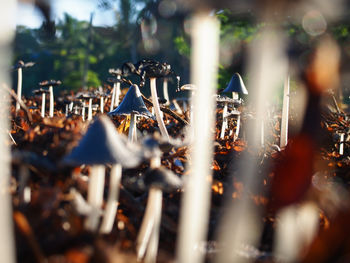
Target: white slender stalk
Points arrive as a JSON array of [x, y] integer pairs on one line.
[[43, 99], [285, 110], [112, 201], [67, 110], [341, 144], [83, 111], [76, 110], [117, 92], [191, 106], [224, 121], [51, 102], [165, 91], [152, 249], [160, 122], [95, 196], [237, 127], [71, 104], [195, 204], [184, 106], [177, 107], [7, 28], [23, 188], [148, 222], [112, 97], [101, 104], [90, 110], [132, 128], [235, 95], [19, 88]]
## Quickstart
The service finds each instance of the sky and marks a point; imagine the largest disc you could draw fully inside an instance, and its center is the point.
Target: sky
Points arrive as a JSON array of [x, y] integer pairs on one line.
[[80, 9]]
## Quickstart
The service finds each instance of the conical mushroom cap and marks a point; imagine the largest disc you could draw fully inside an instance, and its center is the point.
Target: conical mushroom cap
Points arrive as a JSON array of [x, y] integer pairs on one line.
[[102, 144], [162, 178], [132, 103], [236, 85]]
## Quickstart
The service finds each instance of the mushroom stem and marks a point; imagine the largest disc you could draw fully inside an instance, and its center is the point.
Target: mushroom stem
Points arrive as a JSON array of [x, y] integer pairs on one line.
[[67, 110], [23, 188], [161, 124], [95, 195], [235, 95], [165, 91], [152, 250], [155, 162], [237, 127], [83, 111], [148, 222], [51, 102], [19, 88], [195, 203], [284, 121], [101, 104], [71, 104], [112, 97], [341, 144], [132, 128], [90, 110], [224, 121], [117, 92], [43, 99], [112, 201]]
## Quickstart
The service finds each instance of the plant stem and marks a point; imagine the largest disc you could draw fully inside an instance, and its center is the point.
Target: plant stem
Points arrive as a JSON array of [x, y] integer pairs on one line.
[[161, 124], [19, 88], [101, 104], [112, 201], [83, 111], [117, 92], [165, 91], [95, 195]]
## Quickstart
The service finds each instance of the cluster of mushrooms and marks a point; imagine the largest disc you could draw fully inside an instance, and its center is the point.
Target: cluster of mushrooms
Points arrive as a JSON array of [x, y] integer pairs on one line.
[[103, 146]]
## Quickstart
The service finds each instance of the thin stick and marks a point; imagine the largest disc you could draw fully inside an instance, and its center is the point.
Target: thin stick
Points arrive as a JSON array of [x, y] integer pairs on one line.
[[90, 110], [112, 201], [112, 98], [101, 104], [159, 118], [117, 93]]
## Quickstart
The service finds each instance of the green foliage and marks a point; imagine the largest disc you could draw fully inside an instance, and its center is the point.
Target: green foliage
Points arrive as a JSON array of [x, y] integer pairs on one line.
[[182, 46]]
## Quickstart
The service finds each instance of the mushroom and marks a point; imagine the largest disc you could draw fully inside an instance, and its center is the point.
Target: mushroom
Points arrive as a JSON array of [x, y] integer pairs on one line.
[[102, 145], [285, 113], [43, 99], [19, 65], [85, 97], [157, 179], [236, 85], [132, 105], [225, 114], [50, 84], [99, 93], [152, 70], [116, 87]]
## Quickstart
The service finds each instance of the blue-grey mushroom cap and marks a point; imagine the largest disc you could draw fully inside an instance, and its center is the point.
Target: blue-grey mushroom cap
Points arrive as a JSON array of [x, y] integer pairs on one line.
[[162, 178], [132, 103], [102, 144], [236, 84]]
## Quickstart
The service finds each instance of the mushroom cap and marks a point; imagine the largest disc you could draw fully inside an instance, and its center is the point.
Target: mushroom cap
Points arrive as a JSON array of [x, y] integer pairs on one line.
[[153, 69], [188, 87], [40, 91], [47, 83], [102, 144], [115, 72], [21, 64], [132, 103], [236, 85], [85, 96], [162, 178], [113, 80]]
